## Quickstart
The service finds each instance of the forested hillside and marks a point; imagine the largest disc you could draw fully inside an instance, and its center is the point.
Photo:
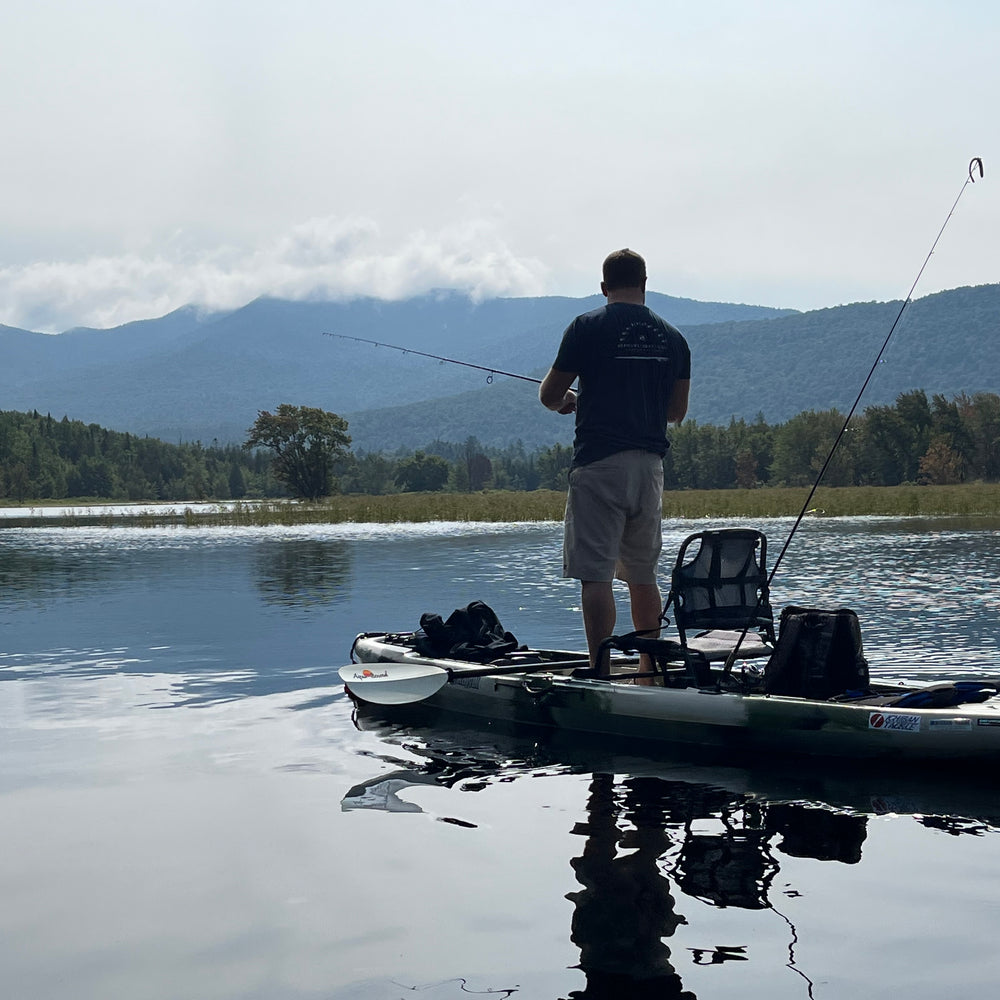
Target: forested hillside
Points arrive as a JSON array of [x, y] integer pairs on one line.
[[915, 440], [948, 343], [190, 376], [44, 458]]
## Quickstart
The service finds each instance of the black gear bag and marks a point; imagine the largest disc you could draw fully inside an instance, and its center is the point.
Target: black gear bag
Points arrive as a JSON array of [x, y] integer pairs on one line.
[[470, 633], [819, 655]]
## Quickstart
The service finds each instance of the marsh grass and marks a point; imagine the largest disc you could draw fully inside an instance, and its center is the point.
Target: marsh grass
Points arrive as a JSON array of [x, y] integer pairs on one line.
[[845, 501], [548, 505], [972, 499]]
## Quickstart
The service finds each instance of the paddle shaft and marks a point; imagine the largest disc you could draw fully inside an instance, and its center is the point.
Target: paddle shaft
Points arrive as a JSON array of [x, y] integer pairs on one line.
[[404, 682], [457, 673]]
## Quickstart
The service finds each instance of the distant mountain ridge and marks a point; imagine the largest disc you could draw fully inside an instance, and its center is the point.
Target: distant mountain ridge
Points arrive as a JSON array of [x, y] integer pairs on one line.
[[193, 375]]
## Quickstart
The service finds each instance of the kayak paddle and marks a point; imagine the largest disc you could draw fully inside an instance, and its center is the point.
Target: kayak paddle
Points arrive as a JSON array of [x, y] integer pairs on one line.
[[404, 683]]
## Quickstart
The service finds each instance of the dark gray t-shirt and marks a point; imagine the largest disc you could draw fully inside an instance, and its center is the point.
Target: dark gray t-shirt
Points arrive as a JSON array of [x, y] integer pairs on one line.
[[628, 359]]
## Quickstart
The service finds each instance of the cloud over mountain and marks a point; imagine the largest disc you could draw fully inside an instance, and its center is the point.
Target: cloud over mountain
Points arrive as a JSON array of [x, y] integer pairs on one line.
[[323, 258]]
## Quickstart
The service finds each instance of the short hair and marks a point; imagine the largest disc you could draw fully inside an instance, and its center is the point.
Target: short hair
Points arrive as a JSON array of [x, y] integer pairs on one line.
[[624, 269]]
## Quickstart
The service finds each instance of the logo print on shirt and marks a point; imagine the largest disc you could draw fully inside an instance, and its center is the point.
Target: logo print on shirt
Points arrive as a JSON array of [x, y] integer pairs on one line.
[[642, 341]]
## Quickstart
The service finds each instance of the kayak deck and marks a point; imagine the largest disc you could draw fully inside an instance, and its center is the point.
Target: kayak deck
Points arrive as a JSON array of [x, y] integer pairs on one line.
[[552, 688]]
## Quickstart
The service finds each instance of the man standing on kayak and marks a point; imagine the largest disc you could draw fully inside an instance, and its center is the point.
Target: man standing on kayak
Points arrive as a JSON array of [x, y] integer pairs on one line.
[[635, 373]]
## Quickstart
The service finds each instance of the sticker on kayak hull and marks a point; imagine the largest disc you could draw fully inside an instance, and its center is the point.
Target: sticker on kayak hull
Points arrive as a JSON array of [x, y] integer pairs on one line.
[[894, 723], [950, 724]]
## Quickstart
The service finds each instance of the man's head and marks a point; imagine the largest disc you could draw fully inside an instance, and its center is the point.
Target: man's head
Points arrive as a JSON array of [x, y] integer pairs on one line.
[[624, 271]]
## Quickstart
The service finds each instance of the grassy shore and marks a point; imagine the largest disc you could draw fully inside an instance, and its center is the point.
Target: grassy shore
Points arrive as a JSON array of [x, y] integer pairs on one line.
[[972, 499], [548, 505]]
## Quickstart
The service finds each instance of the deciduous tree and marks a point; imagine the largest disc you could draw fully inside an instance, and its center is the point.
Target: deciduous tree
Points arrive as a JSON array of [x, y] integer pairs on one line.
[[422, 473], [306, 441]]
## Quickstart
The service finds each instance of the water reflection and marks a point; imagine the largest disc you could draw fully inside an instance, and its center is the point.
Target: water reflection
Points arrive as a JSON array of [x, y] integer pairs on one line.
[[36, 572], [166, 709], [626, 907], [303, 571], [646, 835], [651, 841], [193, 616]]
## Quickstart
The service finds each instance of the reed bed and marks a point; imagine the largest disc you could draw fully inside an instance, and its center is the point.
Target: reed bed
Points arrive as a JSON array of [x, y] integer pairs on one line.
[[548, 505], [971, 499], [968, 500]]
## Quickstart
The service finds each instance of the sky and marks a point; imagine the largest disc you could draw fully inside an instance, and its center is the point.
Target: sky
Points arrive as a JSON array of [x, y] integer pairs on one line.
[[796, 154]]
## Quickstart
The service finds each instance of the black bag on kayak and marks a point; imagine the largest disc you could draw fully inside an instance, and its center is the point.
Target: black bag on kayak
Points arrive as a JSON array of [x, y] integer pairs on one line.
[[471, 633], [818, 655]]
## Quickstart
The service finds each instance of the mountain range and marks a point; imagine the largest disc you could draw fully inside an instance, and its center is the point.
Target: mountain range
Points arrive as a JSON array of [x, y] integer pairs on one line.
[[195, 375]]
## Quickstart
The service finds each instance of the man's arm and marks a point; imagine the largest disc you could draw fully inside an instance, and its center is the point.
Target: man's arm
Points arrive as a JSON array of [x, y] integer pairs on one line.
[[677, 407], [555, 393]]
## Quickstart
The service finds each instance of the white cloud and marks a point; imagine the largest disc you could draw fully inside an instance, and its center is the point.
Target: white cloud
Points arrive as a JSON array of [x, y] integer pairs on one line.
[[784, 154], [324, 258]]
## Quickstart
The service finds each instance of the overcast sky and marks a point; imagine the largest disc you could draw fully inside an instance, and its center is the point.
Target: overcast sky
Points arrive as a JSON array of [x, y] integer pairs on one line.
[[800, 154]]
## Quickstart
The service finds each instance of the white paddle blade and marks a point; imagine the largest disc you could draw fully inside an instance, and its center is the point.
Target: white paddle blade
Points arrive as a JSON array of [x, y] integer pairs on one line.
[[393, 683]]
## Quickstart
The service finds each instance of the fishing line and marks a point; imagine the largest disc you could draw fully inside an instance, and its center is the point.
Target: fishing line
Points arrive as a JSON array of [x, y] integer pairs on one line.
[[971, 179], [976, 163], [438, 357]]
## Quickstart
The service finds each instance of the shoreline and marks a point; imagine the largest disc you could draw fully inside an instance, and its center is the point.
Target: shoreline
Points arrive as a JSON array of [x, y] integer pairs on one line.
[[974, 500]]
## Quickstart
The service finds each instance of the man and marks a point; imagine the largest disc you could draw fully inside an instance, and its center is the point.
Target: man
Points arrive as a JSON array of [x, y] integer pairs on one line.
[[635, 373]]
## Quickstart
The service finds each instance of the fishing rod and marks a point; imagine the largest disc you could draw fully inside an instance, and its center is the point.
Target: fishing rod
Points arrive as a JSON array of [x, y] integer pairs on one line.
[[976, 163], [437, 357]]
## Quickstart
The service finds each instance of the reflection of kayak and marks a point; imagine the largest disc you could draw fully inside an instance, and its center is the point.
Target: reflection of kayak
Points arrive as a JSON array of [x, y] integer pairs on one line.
[[545, 688], [662, 827], [470, 753]]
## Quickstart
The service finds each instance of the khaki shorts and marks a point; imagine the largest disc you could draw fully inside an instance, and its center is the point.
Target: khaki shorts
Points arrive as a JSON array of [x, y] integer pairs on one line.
[[614, 517]]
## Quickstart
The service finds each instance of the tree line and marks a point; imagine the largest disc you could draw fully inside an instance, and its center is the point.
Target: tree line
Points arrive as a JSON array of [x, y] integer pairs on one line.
[[304, 452], [42, 458], [936, 441]]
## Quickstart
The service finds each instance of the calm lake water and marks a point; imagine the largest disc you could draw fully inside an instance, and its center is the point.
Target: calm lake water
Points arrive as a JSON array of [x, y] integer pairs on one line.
[[189, 808]]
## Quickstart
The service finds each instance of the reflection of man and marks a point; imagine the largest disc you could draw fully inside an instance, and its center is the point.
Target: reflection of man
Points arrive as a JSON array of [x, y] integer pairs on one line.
[[625, 908], [634, 370]]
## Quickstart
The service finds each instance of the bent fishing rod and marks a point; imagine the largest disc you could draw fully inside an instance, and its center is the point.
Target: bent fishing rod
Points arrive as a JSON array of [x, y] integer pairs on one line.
[[975, 164], [437, 357]]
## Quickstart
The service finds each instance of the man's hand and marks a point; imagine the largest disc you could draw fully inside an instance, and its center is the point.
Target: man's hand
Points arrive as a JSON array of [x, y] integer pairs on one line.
[[568, 403], [555, 392]]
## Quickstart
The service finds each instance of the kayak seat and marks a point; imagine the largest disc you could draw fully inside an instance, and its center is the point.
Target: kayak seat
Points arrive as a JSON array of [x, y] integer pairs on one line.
[[717, 644], [719, 603], [677, 665], [719, 590]]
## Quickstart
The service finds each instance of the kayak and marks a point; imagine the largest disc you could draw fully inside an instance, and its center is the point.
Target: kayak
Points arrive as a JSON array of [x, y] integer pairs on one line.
[[714, 708]]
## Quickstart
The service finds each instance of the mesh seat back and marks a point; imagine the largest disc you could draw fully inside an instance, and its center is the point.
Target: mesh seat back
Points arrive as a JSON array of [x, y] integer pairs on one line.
[[723, 584]]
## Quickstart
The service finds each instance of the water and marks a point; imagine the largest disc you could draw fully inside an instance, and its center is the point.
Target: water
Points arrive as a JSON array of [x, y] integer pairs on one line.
[[189, 807]]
